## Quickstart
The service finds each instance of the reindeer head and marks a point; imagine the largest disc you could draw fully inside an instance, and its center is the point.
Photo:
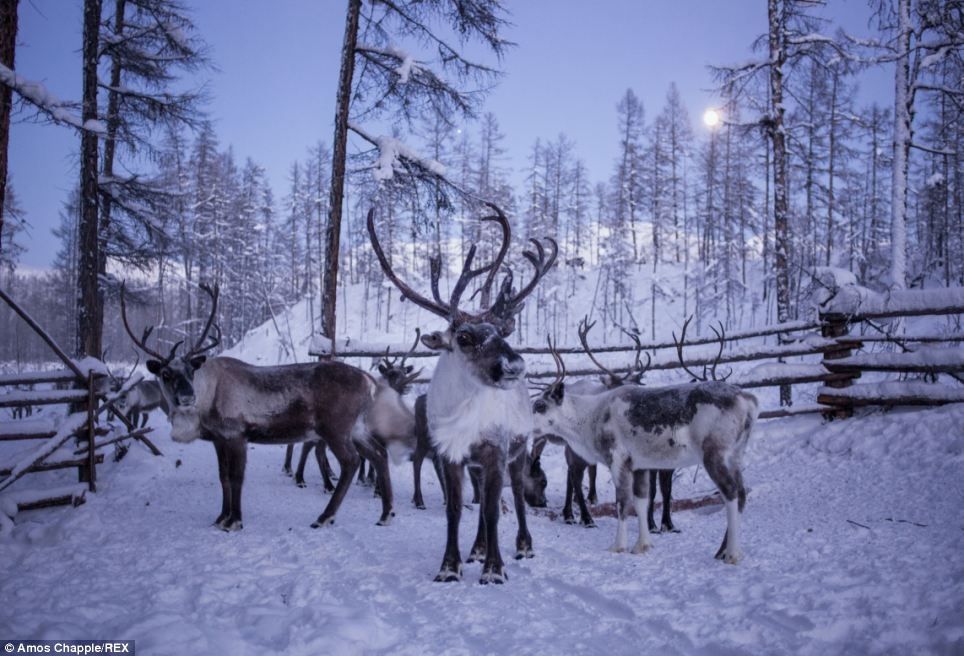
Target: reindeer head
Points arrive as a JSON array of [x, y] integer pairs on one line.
[[477, 342], [396, 373], [176, 374]]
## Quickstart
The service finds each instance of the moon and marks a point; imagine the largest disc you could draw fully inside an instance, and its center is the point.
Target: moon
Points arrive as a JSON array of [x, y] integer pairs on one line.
[[711, 118]]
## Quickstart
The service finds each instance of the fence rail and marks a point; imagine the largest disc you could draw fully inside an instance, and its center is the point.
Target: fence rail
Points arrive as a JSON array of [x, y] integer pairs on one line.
[[828, 343]]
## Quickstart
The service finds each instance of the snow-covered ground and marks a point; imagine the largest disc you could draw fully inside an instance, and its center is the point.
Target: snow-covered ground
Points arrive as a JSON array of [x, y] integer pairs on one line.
[[853, 538]]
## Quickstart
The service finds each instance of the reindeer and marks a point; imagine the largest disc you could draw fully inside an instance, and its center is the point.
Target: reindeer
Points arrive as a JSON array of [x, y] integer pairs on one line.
[[230, 403], [140, 399], [634, 429], [400, 376], [477, 407], [634, 376]]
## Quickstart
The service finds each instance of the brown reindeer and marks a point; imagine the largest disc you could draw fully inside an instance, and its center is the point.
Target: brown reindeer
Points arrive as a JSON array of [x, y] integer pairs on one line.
[[231, 403], [477, 406]]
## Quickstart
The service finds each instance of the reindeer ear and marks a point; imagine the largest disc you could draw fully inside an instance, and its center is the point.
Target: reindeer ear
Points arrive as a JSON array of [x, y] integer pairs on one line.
[[196, 362], [437, 341], [382, 369], [409, 368], [154, 366]]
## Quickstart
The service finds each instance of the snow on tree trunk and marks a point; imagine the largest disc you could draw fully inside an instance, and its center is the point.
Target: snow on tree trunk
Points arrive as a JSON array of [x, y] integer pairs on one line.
[[902, 139], [780, 200]]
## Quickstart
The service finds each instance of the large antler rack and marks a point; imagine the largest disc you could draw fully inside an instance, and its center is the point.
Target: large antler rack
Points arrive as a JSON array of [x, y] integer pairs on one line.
[[635, 373], [198, 347], [507, 303], [142, 342], [707, 374]]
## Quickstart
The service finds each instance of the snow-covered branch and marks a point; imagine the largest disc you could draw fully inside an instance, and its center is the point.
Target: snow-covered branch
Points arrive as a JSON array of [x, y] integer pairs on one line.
[[36, 94]]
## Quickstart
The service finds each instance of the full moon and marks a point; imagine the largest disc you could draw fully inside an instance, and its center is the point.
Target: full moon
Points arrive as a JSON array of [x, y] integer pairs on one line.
[[711, 118]]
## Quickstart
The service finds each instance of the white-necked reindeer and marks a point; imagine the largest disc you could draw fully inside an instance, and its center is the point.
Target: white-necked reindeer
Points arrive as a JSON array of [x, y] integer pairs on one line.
[[477, 407], [230, 403], [634, 429]]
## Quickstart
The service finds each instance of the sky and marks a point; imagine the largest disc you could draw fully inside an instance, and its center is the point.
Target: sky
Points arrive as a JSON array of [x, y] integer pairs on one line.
[[277, 65]]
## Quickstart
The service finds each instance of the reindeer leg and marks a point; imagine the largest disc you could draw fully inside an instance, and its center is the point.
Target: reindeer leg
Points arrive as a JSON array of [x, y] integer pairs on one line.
[[289, 452], [642, 479], [592, 498], [474, 478], [479, 550], [730, 483], [306, 448], [523, 540], [651, 506], [666, 491], [493, 463], [622, 480], [451, 569], [418, 457], [223, 475], [376, 455], [347, 456], [577, 467], [321, 455], [234, 453]]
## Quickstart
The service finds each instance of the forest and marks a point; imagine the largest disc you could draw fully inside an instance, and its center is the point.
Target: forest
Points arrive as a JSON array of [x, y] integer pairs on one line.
[[732, 222]]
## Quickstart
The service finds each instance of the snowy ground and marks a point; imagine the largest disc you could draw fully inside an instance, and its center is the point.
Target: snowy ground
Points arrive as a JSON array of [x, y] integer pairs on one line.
[[854, 543]]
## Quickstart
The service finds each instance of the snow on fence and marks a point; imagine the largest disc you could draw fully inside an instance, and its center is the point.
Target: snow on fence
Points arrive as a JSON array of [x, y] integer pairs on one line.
[[80, 386], [828, 343]]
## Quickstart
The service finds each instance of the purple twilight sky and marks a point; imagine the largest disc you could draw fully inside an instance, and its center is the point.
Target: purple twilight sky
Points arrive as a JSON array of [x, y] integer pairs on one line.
[[277, 62]]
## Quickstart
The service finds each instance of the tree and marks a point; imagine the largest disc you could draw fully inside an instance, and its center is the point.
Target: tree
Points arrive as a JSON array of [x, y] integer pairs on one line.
[[397, 85], [8, 49]]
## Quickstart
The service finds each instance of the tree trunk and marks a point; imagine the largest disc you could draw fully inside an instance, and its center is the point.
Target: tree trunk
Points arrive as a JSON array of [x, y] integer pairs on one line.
[[8, 48], [781, 224], [902, 138], [90, 313], [329, 288]]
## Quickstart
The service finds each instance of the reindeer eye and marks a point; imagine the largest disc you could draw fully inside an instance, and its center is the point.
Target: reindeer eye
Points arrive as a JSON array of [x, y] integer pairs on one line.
[[464, 339]]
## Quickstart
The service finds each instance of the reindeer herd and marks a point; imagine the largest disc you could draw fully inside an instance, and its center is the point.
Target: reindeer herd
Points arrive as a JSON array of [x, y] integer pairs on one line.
[[476, 415]]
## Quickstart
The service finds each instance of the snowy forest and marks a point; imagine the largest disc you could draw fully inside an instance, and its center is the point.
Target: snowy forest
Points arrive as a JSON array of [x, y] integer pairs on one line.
[[818, 225], [728, 223]]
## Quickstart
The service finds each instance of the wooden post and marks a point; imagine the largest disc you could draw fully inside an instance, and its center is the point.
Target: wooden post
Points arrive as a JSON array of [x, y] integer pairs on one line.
[[88, 472], [837, 326]]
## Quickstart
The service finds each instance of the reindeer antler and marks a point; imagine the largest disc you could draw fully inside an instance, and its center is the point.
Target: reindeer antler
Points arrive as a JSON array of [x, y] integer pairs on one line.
[[197, 348], [721, 336], [507, 303], [142, 342]]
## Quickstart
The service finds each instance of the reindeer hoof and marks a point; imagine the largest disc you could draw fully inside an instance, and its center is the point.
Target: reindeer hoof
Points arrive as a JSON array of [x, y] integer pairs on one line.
[[616, 548], [524, 553], [730, 559], [301, 484], [477, 555], [641, 548], [496, 576], [322, 522], [386, 520], [447, 575]]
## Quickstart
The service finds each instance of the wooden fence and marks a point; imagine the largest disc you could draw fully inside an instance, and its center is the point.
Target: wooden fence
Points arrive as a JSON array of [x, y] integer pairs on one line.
[[828, 351], [83, 390]]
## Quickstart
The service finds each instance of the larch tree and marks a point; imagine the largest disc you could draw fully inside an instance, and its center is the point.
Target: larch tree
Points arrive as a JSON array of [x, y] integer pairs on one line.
[[397, 86]]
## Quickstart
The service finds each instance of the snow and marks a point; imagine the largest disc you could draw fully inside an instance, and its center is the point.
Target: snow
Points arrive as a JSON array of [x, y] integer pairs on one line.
[[841, 294], [852, 537]]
